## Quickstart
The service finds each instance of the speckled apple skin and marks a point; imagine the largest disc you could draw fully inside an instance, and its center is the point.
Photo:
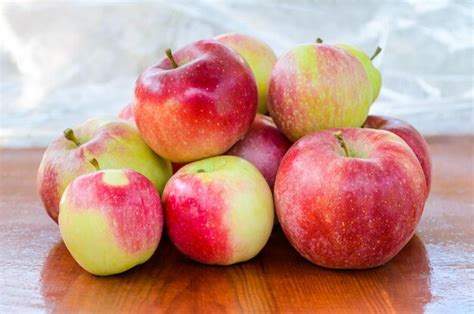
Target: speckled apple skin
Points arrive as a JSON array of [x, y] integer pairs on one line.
[[218, 210], [259, 56], [372, 72], [199, 109], [315, 87], [349, 213], [111, 220], [264, 146], [410, 135], [127, 113], [113, 143]]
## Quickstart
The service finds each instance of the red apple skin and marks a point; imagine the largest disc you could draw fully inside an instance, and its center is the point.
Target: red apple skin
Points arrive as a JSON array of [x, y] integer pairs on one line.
[[410, 135], [349, 213], [264, 146], [127, 113], [199, 109]]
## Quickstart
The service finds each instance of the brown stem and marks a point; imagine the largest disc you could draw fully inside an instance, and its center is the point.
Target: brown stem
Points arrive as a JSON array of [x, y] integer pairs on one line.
[[95, 163], [376, 52], [338, 135], [169, 54], [69, 134], [319, 40]]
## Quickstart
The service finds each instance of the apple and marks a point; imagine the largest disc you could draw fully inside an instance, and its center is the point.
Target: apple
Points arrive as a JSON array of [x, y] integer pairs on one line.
[[315, 87], [349, 198], [410, 135], [195, 103], [110, 220], [127, 113], [373, 74], [259, 56], [218, 210], [264, 146], [115, 144]]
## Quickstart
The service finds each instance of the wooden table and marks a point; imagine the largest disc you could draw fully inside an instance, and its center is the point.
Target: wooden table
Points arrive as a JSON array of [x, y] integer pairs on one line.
[[433, 273]]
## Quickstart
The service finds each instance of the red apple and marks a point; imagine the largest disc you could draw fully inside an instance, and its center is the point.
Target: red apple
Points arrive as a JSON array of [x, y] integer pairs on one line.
[[218, 210], [111, 220], [264, 146], [411, 136], [196, 103], [127, 113], [349, 198]]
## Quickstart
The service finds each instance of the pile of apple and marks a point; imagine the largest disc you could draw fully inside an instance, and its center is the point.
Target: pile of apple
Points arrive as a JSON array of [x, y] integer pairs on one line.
[[348, 193]]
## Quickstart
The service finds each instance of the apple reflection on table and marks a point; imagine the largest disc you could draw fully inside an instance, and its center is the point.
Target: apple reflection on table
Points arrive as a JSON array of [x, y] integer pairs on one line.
[[171, 281]]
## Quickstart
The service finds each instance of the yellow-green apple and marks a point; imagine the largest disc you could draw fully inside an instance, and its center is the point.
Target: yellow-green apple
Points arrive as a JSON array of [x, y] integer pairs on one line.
[[115, 144], [264, 146], [260, 58], [195, 103], [218, 210], [111, 220], [315, 87], [411, 136], [349, 198], [127, 113], [373, 73]]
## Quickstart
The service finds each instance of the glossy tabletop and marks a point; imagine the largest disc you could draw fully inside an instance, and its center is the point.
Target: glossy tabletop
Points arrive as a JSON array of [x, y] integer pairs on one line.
[[433, 273]]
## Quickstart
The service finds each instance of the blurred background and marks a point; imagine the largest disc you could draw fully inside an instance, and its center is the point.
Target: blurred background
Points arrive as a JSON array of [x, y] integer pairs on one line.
[[63, 62]]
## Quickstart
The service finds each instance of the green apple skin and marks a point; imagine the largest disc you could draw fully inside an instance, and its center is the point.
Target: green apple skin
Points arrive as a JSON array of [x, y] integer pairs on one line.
[[218, 210], [111, 220], [259, 56], [115, 144], [314, 87], [373, 74]]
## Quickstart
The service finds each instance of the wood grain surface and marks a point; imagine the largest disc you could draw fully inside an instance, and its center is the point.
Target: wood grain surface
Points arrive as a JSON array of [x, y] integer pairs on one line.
[[433, 273]]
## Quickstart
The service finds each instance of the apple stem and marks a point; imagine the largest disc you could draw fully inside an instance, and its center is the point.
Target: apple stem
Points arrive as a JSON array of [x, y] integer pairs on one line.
[[69, 134], [95, 163], [376, 52], [338, 135], [319, 40], [169, 54]]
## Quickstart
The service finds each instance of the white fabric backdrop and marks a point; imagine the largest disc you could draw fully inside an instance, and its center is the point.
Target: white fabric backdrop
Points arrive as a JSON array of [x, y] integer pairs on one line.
[[62, 62]]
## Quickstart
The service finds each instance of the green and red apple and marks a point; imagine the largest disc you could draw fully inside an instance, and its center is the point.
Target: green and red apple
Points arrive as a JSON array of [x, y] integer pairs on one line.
[[315, 87], [259, 56], [218, 210], [349, 198], [115, 144], [372, 72], [195, 103], [111, 220]]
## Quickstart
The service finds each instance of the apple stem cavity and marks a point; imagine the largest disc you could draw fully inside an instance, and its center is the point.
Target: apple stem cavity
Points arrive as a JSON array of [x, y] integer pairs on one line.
[[338, 135], [69, 134], [201, 171], [319, 40], [376, 53], [169, 54], [95, 163]]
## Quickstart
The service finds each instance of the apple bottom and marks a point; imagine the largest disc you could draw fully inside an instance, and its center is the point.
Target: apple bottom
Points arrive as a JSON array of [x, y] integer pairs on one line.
[[94, 247]]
